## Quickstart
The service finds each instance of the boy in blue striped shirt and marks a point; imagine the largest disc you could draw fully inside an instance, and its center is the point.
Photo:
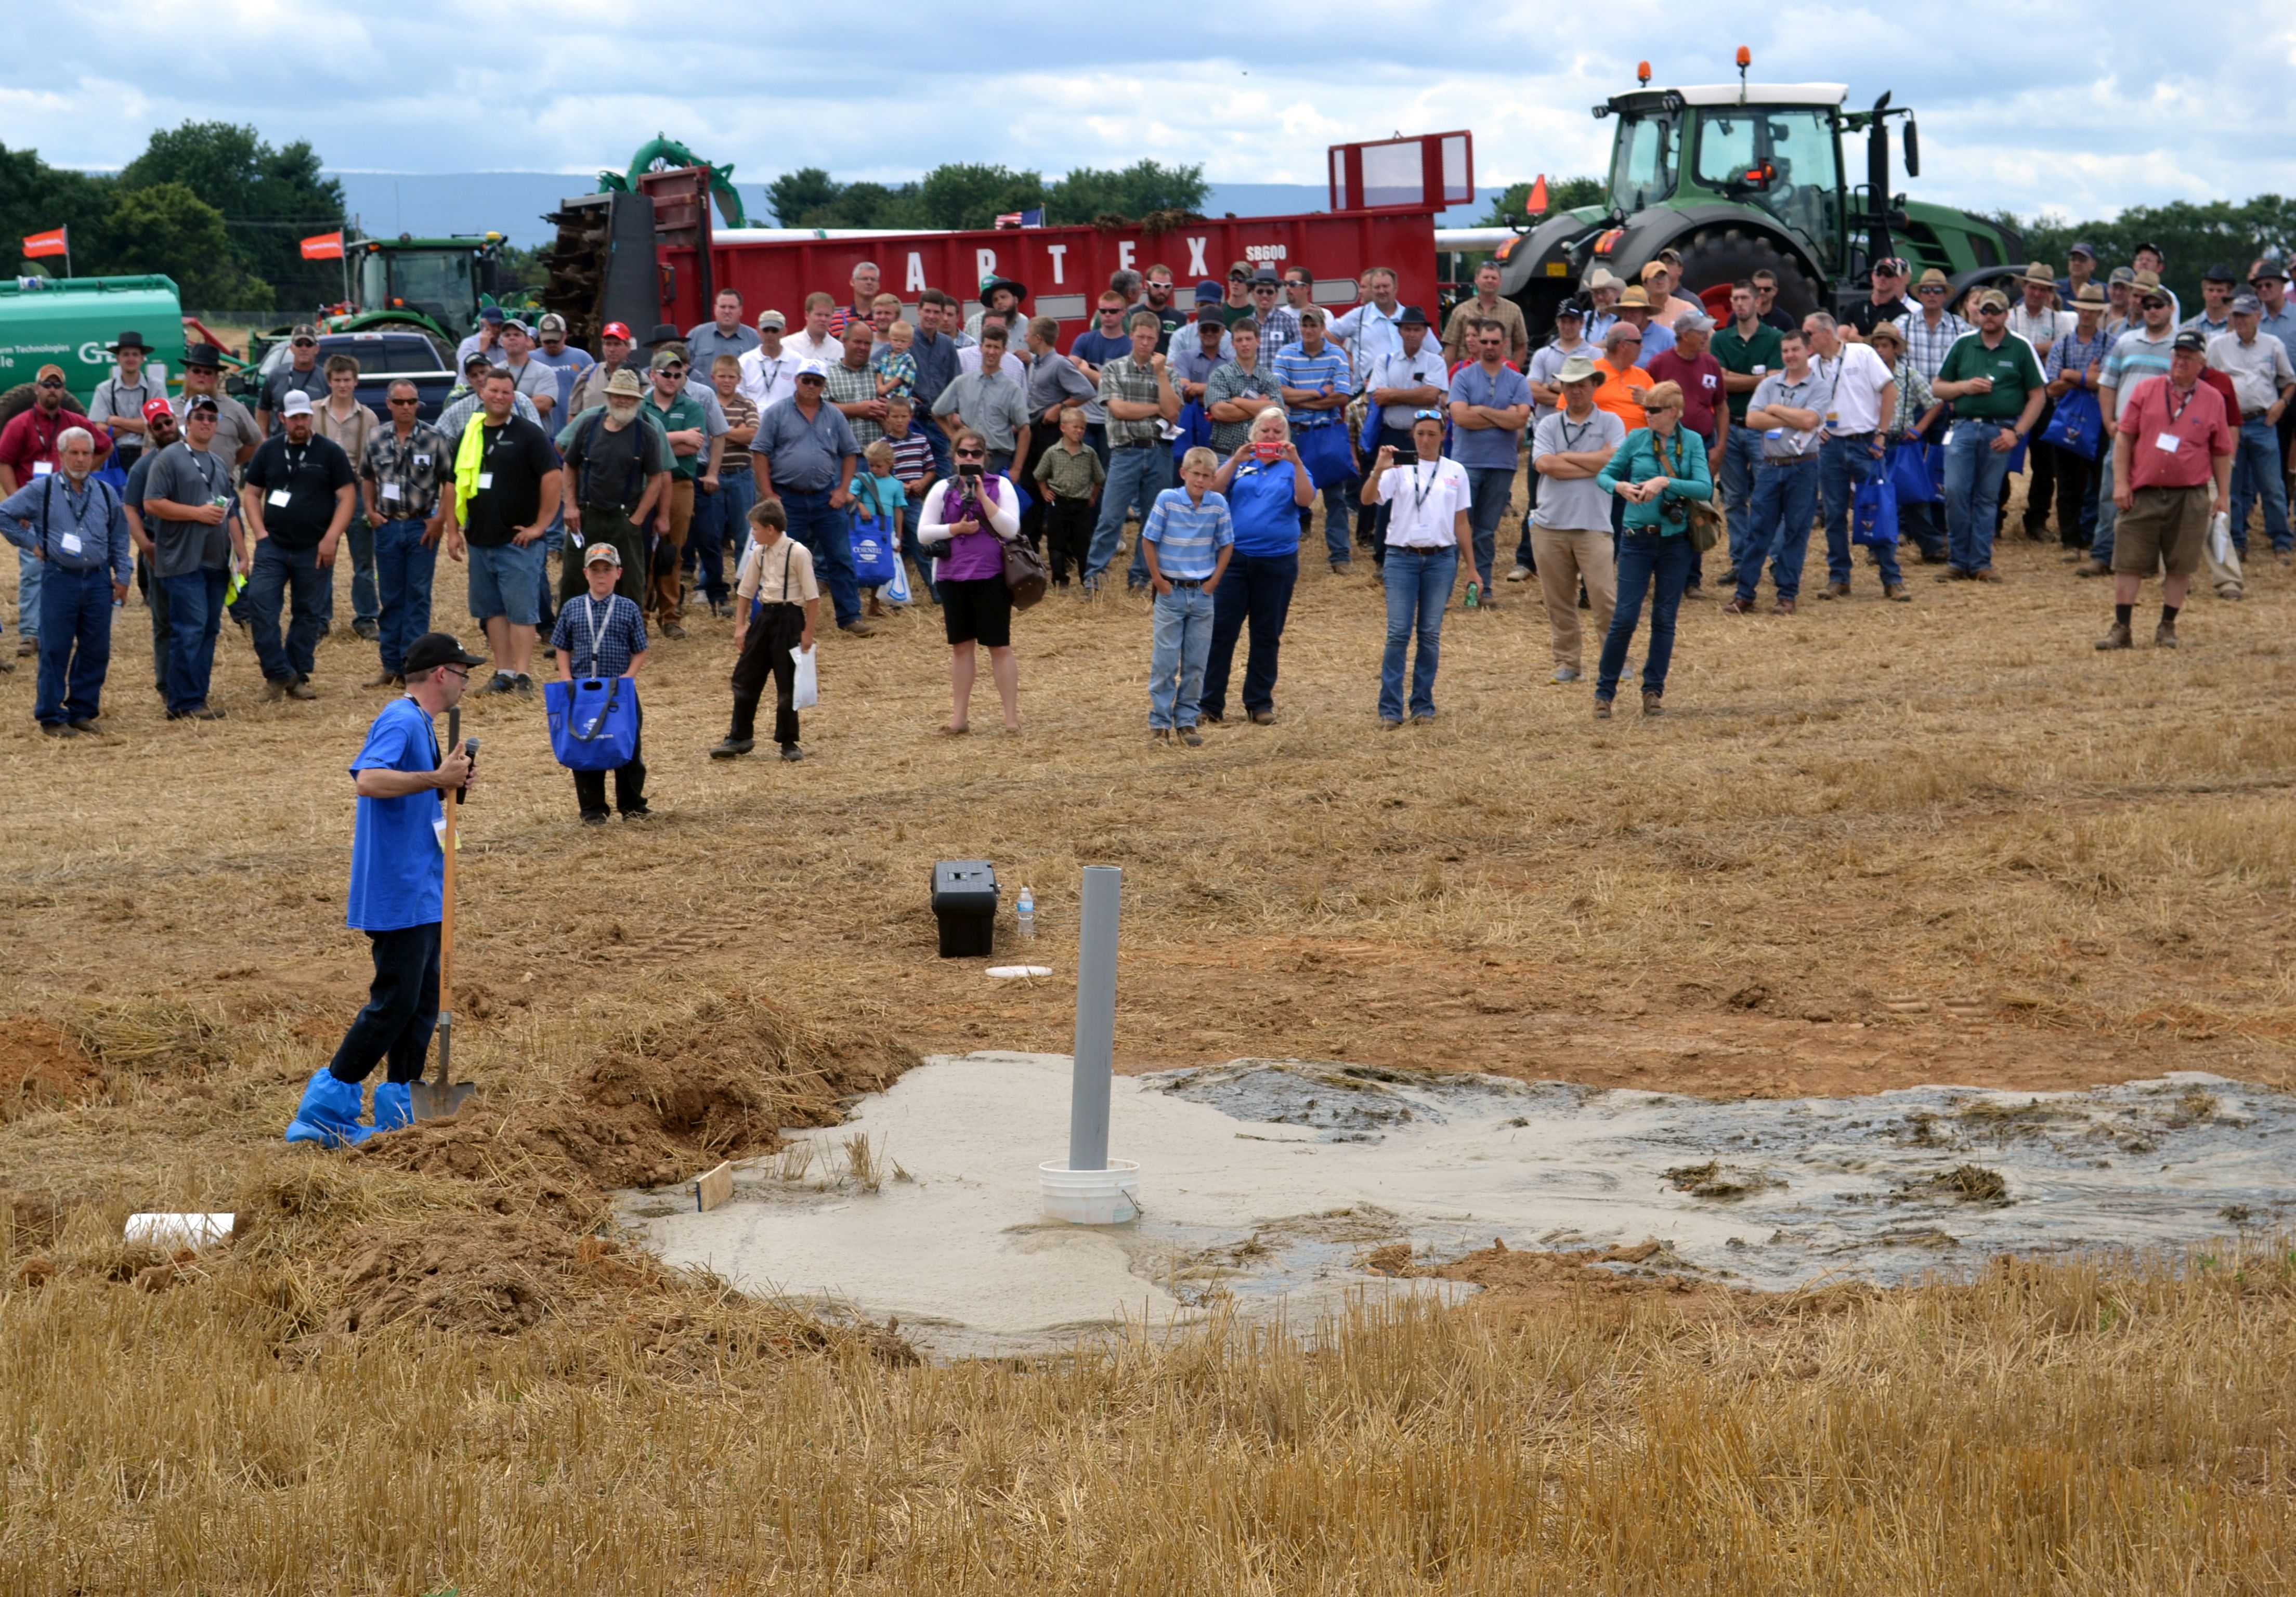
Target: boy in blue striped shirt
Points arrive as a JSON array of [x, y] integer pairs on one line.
[[1187, 540]]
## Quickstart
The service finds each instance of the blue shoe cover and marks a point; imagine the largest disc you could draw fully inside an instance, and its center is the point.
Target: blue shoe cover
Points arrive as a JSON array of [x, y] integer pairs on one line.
[[328, 1113], [394, 1106]]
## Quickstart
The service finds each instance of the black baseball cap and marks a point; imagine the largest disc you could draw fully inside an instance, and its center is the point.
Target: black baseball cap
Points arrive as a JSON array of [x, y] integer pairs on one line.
[[2193, 340], [436, 648]]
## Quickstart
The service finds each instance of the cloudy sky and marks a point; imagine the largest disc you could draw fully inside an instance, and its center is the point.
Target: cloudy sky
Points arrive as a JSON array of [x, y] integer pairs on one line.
[[2025, 105]]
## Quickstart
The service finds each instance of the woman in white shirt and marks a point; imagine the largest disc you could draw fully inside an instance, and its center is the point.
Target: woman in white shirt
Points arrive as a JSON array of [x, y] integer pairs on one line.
[[1427, 536]]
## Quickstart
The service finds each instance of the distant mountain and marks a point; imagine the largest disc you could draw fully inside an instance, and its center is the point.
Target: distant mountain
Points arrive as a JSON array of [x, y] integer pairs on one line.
[[514, 203]]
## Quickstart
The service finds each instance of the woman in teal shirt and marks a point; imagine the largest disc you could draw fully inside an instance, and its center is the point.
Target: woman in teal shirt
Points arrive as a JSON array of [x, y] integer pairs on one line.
[[1658, 471]]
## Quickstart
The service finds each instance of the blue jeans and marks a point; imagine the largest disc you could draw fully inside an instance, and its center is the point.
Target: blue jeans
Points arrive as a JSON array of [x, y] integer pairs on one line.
[[1974, 471], [1135, 478], [402, 574], [826, 536], [1741, 463], [1777, 529], [75, 644], [277, 573], [2256, 474], [1489, 488], [545, 603], [359, 539], [720, 523], [1646, 559], [1175, 660], [1843, 463], [28, 567], [195, 615], [1337, 527], [2108, 513], [1418, 588], [1257, 589]]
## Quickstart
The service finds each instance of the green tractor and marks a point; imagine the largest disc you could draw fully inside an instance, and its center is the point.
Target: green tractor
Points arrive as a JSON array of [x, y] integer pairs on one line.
[[1738, 178], [436, 286]]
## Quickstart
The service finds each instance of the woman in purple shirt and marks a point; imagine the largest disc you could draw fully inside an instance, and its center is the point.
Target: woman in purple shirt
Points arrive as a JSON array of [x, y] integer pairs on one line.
[[965, 522]]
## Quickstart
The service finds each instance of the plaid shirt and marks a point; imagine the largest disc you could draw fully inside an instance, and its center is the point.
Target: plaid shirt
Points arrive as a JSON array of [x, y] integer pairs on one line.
[[418, 464], [849, 387], [1277, 328], [1926, 347], [598, 640], [1914, 396], [1131, 381]]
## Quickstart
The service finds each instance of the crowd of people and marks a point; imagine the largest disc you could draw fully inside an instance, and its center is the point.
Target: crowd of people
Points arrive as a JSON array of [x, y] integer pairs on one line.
[[947, 453]]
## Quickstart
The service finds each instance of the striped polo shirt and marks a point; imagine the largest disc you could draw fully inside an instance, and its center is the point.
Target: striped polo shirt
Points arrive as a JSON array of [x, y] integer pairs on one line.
[[1188, 537]]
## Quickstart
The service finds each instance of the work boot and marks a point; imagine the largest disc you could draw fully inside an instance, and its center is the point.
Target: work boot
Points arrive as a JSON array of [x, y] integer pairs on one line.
[[1652, 705], [1602, 709], [792, 753], [2092, 566], [2118, 638], [857, 629], [57, 729], [1836, 590], [273, 691], [28, 644], [2164, 636], [329, 1114], [369, 630], [1195, 740], [732, 748], [385, 679], [301, 690], [1896, 592], [394, 1106]]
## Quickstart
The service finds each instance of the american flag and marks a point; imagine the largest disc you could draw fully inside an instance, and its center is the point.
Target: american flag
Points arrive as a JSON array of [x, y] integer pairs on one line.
[[1021, 218]]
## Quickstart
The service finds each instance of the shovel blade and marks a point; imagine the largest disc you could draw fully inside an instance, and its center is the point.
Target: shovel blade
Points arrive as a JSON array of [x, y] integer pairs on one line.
[[436, 1101]]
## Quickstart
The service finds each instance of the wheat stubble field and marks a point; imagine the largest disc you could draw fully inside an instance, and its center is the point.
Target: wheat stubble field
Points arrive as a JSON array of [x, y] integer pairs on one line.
[[1871, 845]]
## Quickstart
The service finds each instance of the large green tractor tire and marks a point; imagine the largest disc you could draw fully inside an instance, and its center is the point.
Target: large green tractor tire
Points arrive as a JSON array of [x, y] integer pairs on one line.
[[1717, 258]]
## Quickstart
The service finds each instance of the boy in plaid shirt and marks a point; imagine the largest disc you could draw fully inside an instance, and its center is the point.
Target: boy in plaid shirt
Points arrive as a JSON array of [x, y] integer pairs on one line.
[[602, 635]]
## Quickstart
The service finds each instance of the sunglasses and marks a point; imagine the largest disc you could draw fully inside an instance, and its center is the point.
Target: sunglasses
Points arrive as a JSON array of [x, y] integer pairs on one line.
[[1263, 288], [819, 379], [1931, 287], [1427, 415], [671, 371], [1992, 310], [50, 382], [306, 343], [1238, 277], [971, 453], [2149, 303], [409, 400]]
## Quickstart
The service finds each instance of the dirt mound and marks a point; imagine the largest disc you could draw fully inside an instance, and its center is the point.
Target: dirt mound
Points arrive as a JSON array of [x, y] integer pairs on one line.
[[499, 1274], [41, 1068], [663, 1103]]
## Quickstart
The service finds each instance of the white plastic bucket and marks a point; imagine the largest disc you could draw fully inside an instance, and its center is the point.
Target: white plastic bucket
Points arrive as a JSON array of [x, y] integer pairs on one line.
[[1109, 1197], [181, 1231]]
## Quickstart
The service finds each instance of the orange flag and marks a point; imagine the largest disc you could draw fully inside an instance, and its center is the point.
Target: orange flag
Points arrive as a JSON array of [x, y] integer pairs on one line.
[[56, 241], [324, 246]]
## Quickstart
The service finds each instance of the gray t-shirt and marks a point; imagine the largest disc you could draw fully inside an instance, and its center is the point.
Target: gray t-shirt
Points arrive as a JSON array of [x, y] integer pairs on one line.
[[188, 476], [234, 426], [1814, 392], [538, 381], [989, 401], [287, 380], [1053, 380], [1574, 504]]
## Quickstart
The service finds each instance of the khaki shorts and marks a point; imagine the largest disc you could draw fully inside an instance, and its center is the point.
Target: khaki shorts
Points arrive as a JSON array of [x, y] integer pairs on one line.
[[2166, 529]]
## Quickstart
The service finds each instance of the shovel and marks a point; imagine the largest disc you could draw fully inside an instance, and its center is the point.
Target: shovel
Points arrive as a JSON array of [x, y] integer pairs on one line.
[[434, 1100]]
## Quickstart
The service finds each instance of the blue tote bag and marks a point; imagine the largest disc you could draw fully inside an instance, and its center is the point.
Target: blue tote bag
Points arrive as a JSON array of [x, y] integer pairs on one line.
[[1874, 512], [594, 724], [876, 558], [1326, 451], [2077, 424], [1917, 478]]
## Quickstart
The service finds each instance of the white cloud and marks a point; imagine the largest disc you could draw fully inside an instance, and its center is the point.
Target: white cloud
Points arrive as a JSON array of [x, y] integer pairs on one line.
[[2049, 105]]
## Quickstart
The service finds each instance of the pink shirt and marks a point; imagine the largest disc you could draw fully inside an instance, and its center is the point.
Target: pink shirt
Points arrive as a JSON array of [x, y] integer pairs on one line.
[[2155, 411]]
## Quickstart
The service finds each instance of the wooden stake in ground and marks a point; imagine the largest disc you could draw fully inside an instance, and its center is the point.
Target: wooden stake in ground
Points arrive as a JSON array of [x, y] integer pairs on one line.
[[433, 1101], [714, 1187]]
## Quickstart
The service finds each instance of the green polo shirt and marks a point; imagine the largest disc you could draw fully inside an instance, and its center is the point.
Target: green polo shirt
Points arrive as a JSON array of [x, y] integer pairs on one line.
[[2014, 371], [683, 411], [1742, 356]]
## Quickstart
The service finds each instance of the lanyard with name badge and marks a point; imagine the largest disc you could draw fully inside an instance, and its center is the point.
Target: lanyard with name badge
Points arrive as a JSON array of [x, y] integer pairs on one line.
[[277, 497]]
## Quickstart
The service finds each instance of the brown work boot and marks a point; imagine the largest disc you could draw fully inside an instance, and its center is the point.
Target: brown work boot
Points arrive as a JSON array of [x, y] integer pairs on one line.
[[2092, 567], [1652, 705], [385, 679], [1836, 590], [1896, 592], [2118, 638], [856, 629], [1784, 607], [2164, 636]]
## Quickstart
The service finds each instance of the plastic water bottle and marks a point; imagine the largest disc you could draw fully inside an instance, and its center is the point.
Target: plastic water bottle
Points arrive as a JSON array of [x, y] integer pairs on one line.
[[1025, 914]]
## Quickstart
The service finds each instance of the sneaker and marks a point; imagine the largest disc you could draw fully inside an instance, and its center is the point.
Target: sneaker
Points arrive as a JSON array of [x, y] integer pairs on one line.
[[301, 690], [593, 817], [1520, 574], [549, 651], [723, 608], [2231, 591], [522, 686], [2118, 638], [2164, 636], [732, 748], [499, 682], [671, 629], [1565, 674], [643, 812], [792, 752]]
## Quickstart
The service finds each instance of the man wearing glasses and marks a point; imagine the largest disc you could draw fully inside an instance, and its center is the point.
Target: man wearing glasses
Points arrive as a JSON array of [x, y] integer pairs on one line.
[[1093, 349], [804, 454], [1997, 389], [1886, 301], [1239, 293], [399, 472], [2142, 350], [1278, 324], [300, 374], [29, 447], [397, 898]]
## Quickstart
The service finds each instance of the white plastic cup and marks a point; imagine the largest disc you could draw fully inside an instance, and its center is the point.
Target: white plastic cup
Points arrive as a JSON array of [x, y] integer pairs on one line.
[[1109, 1197]]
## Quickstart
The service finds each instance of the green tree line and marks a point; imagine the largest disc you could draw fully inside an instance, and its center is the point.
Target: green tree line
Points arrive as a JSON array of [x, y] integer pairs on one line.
[[2193, 237], [211, 205], [969, 194], [1562, 193]]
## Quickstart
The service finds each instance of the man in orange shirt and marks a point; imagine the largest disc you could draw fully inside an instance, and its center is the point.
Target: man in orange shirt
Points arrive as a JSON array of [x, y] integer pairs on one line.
[[1623, 380]]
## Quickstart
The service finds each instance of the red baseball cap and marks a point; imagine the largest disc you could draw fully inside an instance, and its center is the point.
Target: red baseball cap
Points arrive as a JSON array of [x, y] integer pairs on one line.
[[153, 409], [617, 330]]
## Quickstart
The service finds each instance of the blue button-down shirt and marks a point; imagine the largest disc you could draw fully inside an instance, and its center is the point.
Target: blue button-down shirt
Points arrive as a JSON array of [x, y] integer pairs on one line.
[[78, 528], [804, 457], [2281, 326]]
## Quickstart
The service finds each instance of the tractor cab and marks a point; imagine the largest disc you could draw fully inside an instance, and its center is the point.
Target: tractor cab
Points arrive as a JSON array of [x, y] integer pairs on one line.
[[437, 283], [1773, 146]]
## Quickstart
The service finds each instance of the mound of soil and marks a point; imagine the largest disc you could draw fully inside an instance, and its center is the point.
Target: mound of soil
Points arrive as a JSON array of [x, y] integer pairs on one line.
[[500, 1274], [41, 1068], [665, 1104]]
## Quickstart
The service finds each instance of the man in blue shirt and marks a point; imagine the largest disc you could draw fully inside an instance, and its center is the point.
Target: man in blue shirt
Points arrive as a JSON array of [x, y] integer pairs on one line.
[[397, 898], [74, 526], [1317, 385], [1490, 405]]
